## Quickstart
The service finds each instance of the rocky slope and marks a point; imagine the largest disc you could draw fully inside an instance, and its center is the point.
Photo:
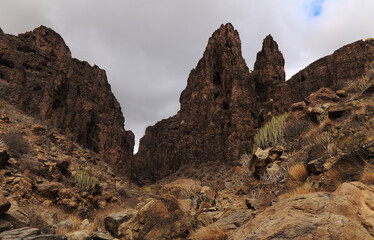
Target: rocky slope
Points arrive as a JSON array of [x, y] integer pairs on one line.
[[223, 103], [38, 74], [317, 182]]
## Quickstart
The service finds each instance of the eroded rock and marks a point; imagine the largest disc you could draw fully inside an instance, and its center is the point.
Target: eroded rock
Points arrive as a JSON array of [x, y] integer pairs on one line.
[[345, 214]]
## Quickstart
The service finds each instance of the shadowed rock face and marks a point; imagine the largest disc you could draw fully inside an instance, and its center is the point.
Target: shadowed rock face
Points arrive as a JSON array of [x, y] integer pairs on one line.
[[217, 115], [334, 71], [39, 75], [223, 103]]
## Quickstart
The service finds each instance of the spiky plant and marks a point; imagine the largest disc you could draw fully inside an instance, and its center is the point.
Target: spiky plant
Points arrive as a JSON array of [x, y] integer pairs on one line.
[[271, 134], [83, 179]]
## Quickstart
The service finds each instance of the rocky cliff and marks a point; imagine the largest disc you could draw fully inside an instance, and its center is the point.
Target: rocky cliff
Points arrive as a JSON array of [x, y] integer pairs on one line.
[[223, 103], [212, 123], [38, 74], [335, 70]]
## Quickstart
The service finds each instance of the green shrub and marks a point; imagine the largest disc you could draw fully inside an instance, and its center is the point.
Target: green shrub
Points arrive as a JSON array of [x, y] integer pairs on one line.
[[84, 180], [271, 134]]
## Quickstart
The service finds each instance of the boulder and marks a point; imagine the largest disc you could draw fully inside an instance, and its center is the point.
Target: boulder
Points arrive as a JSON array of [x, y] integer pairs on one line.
[[49, 190], [67, 225], [101, 235], [345, 214], [182, 188], [4, 204], [46, 237], [159, 219], [16, 216], [78, 235], [19, 233], [114, 220]]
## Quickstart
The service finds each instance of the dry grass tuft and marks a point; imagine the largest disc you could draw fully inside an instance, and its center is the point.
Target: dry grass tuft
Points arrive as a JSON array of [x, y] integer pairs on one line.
[[367, 177], [304, 189], [298, 172], [211, 233]]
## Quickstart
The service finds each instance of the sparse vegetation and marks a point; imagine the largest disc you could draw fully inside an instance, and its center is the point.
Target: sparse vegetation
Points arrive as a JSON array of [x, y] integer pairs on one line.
[[16, 143], [303, 189], [271, 134], [211, 233], [83, 179], [298, 172]]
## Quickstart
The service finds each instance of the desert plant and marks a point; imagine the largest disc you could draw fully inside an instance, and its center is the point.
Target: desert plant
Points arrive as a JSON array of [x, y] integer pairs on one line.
[[304, 189], [298, 172], [83, 179], [211, 233], [16, 143], [271, 134]]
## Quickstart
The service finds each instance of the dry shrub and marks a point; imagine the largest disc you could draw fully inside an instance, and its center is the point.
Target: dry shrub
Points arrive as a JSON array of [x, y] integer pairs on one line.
[[348, 168], [367, 177], [350, 142], [298, 172], [295, 128], [43, 217], [76, 225], [211, 233], [303, 189], [16, 143]]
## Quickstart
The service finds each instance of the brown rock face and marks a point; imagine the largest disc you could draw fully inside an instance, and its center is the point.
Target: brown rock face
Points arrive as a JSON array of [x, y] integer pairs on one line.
[[223, 103], [216, 118], [334, 71], [344, 214], [268, 69], [38, 74]]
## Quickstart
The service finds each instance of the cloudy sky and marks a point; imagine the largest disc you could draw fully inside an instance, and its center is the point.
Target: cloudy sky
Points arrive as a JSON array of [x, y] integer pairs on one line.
[[148, 47]]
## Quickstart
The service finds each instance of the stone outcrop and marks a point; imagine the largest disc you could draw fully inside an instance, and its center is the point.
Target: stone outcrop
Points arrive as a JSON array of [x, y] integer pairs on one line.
[[334, 71], [38, 74], [216, 116], [223, 103], [345, 214], [268, 70]]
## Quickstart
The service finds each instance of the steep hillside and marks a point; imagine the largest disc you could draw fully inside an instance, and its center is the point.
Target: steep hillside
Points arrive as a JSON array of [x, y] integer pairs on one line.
[[38, 74]]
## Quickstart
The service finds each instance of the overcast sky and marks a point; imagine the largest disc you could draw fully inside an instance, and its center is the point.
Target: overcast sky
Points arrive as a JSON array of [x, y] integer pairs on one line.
[[148, 47]]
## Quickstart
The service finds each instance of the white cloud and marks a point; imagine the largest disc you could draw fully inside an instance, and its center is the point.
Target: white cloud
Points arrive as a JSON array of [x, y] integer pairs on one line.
[[148, 47]]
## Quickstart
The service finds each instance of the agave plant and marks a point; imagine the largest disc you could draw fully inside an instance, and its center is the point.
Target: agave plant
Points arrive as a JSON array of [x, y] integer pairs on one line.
[[84, 180]]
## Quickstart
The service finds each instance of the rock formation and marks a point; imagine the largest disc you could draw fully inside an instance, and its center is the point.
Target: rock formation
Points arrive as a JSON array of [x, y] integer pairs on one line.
[[223, 103], [217, 115], [38, 74], [334, 71], [343, 214]]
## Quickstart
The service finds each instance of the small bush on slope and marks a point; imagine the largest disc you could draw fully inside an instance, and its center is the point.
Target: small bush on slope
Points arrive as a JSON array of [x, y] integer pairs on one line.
[[84, 180], [271, 134]]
